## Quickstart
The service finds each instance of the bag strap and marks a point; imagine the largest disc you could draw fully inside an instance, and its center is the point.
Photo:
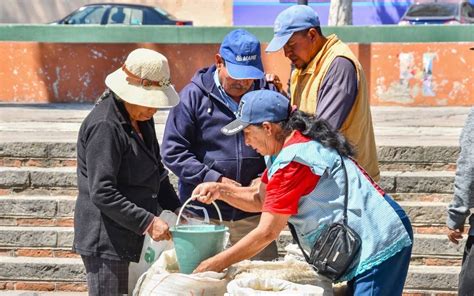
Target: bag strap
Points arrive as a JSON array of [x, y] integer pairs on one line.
[[344, 218], [295, 237], [346, 198]]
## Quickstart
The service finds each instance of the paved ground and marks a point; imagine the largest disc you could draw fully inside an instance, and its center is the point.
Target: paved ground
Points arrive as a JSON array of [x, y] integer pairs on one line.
[[407, 126]]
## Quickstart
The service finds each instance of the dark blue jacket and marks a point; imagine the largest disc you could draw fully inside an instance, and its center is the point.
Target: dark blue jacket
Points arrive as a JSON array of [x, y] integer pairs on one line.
[[195, 149]]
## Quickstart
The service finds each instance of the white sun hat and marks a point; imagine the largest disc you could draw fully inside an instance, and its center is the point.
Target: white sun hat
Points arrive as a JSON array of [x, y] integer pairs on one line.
[[144, 80]]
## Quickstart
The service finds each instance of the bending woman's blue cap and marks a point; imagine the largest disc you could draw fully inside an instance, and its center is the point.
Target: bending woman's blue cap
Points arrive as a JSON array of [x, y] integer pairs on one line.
[[293, 19], [241, 52], [257, 107]]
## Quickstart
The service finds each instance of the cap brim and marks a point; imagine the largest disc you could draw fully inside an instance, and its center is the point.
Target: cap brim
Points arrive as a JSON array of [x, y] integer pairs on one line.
[[243, 71], [152, 96], [234, 127], [278, 42]]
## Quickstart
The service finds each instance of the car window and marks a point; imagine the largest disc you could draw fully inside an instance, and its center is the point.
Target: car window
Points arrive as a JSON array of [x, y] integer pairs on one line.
[[125, 16], [165, 14], [87, 15], [467, 10], [433, 10], [136, 17]]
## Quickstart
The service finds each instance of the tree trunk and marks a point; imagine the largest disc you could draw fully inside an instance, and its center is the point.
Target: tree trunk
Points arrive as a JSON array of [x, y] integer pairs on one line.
[[340, 13]]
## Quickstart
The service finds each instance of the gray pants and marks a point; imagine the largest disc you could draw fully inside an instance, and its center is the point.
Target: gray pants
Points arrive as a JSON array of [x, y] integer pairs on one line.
[[106, 277]]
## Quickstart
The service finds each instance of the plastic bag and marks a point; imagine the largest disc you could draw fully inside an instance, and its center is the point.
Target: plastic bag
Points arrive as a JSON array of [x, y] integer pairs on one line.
[[150, 253]]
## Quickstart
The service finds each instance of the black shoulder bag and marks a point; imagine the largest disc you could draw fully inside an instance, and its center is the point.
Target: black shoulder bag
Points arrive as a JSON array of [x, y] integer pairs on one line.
[[336, 248]]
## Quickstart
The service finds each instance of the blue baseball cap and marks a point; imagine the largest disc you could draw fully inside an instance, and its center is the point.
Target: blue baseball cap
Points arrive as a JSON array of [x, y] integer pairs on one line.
[[293, 19], [241, 52], [257, 107]]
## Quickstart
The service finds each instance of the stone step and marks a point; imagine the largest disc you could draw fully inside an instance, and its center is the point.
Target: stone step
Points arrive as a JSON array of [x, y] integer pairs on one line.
[[17, 269], [21, 179], [424, 245], [433, 244], [37, 177], [37, 210], [63, 206], [38, 180], [38, 237], [434, 260], [410, 292], [41, 238], [37, 206], [425, 212], [38, 150], [41, 269], [417, 182], [400, 158], [423, 197], [443, 278], [418, 154], [38, 154]]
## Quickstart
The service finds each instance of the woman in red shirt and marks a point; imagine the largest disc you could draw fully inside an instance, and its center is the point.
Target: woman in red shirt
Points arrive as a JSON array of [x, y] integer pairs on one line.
[[304, 183]]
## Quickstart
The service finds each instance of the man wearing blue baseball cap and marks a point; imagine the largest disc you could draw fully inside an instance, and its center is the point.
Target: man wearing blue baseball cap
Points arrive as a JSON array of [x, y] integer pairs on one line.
[[193, 146], [328, 80]]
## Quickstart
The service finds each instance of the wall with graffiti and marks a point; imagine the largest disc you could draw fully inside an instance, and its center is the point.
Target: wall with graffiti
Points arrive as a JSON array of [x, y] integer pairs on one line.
[[399, 74]]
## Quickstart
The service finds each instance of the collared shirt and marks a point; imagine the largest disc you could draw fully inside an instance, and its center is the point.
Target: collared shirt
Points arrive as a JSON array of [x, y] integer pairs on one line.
[[233, 105]]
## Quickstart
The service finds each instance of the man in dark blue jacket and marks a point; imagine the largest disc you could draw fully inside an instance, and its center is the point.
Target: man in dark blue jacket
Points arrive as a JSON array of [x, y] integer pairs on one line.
[[194, 147]]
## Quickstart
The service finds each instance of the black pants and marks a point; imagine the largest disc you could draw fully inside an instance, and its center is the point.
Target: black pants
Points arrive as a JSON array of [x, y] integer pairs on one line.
[[466, 277], [106, 277]]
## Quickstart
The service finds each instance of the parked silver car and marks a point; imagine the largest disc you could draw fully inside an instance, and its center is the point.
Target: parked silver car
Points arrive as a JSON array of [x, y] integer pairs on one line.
[[429, 13]]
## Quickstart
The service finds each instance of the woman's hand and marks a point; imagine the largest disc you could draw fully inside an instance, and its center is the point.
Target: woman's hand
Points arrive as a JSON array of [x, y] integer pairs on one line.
[[206, 192], [159, 230], [211, 264], [454, 235]]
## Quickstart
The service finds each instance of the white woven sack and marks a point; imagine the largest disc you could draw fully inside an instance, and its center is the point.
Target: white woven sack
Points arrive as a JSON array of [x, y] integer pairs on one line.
[[290, 269], [270, 287], [163, 279]]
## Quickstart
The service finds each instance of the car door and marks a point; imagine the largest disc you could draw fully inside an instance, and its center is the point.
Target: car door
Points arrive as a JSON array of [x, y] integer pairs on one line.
[[122, 15], [154, 17]]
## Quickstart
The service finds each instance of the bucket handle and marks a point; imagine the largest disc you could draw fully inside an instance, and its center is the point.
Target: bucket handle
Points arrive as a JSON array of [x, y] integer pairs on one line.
[[188, 201]]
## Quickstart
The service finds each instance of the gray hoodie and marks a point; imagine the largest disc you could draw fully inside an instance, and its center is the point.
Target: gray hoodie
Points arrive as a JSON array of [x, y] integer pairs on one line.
[[463, 199]]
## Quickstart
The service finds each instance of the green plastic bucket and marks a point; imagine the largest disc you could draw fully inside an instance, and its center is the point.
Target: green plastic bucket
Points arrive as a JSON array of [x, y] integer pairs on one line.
[[195, 243]]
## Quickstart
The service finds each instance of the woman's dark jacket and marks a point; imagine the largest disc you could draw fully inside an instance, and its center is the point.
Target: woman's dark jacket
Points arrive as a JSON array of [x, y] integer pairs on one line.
[[122, 183]]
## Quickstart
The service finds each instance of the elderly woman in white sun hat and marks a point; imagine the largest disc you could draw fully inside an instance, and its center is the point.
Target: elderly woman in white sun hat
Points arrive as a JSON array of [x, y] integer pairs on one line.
[[122, 183]]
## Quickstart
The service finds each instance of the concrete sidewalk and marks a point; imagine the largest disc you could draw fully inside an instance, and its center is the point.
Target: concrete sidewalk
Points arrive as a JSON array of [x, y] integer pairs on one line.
[[394, 126]]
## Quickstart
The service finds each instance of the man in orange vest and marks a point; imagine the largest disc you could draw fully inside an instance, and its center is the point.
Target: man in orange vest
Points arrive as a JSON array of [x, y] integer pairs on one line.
[[328, 80]]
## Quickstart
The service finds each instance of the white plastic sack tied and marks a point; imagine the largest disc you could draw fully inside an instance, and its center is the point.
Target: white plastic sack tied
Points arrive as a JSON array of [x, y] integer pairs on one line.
[[163, 279], [150, 253], [290, 269], [270, 287]]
